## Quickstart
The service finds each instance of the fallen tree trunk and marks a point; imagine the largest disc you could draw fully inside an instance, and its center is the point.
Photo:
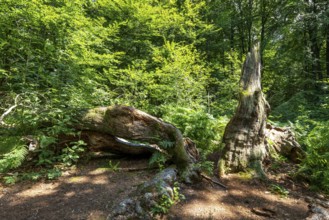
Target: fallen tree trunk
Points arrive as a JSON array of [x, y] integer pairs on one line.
[[117, 127]]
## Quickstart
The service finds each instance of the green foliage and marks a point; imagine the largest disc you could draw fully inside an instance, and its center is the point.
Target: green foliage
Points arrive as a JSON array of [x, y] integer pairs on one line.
[[113, 167], [206, 166], [178, 60], [46, 153], [71, 154], [158, 159], [298, 105], [53, 174], [12, 179], [34, 176], [279, 190], [166, 201], [12, 154], [315, 167], [166, 144], [200, 126]]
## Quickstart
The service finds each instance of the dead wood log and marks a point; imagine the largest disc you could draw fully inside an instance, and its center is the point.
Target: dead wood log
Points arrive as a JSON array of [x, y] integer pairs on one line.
[[213, 181], [117, 128], [283, 142], [263, 212]]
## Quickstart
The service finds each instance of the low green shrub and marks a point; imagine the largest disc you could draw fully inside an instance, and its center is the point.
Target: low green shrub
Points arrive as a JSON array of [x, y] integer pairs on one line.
[[12, 153], [205, 130], [315, 167]]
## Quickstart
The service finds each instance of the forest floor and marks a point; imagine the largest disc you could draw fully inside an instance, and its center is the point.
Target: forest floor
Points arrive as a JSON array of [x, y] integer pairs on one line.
[[91, 190]]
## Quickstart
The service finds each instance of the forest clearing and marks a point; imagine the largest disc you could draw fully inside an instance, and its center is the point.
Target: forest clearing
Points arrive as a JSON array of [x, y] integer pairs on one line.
[[175, 109], [91, 190]]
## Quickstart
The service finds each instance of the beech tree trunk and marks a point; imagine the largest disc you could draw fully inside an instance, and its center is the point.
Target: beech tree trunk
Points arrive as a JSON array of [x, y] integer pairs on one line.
[[127, 130], [244, 136]]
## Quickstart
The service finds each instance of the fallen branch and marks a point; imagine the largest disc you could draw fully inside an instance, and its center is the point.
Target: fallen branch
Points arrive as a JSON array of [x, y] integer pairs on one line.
[[263, 212], [8, 111], [213, 181]]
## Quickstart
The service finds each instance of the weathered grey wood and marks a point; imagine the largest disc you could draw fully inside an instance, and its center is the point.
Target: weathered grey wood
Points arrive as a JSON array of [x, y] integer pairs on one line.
[[106, 126], [244, 136], [283, 142]]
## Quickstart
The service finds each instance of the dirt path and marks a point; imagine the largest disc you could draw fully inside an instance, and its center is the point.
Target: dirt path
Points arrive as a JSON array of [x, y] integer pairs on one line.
[[90, 191], [85, 193], [242, 199]]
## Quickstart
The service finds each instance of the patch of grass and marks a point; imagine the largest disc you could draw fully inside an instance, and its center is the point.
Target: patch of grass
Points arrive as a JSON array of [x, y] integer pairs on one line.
[[113, 166], [279, 190], [247, 175]]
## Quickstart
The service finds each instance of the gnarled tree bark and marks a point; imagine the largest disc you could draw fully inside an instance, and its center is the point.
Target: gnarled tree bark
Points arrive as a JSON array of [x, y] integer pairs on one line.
[[244, 136], [248, 139], [117, 127]]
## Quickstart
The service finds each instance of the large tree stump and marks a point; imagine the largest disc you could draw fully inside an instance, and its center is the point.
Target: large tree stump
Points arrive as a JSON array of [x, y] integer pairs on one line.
[[244, 136]]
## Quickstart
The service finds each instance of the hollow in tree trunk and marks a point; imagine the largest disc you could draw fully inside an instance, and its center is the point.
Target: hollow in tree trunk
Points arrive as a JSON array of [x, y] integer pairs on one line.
[[244, 136]]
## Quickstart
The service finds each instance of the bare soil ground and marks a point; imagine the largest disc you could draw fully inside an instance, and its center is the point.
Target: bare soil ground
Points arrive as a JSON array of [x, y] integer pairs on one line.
[[90, 191]]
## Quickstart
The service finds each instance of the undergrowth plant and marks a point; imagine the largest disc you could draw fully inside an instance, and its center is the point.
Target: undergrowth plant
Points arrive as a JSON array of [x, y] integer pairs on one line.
[[315, 167], [279, 190], [158, 159], [166, 201], [204, 129], [12, 154], [71, 153]]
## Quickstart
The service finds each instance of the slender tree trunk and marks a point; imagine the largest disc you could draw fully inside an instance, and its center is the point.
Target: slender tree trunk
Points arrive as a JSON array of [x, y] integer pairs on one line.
[[262, 33], [327, 52], [244, 137], [249, 25], [316, 72]]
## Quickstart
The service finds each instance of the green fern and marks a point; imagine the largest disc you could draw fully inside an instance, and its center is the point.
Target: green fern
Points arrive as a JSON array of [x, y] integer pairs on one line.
[[166, 144], [316, 164], [158, 159], [13, 159]]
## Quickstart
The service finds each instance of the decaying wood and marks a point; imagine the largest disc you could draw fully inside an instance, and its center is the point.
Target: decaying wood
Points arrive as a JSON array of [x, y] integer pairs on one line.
[[10, 109], [213, 181], [263, 212], [109, 143], [244, 136], [117, 128], [283, 142]]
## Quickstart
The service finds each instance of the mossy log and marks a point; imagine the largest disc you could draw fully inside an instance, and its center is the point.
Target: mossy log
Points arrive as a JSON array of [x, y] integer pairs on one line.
[[118, 128]]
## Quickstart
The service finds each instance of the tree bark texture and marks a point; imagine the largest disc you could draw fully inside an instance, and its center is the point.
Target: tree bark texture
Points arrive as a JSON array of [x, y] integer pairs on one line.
[[244, 136], [118, 128]]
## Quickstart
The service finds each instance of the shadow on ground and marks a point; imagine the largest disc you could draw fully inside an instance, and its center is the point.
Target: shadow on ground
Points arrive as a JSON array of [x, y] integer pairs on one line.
[[242, 199], [86, 193]]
